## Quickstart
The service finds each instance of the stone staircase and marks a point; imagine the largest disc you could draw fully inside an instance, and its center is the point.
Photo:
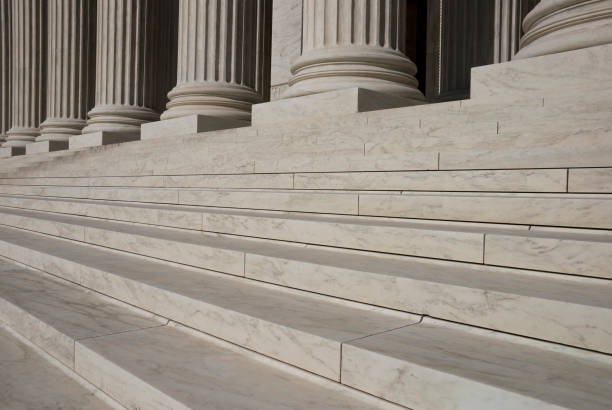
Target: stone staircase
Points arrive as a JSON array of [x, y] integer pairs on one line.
[[449, 256]]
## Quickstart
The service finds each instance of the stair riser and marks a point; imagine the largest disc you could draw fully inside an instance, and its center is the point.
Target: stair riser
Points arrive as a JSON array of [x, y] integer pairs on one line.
[[576, 257], [577, 325], [307, 351]]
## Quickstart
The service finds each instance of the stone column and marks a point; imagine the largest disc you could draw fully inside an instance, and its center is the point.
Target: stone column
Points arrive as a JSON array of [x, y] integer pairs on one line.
[[28, 74], [70, 68], [223, 64], [554, 26], [354, 43], [132, 49], [5, 68]]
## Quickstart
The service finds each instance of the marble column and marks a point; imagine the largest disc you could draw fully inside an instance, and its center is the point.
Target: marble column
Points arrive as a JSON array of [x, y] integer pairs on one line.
[[132, 50], [70, 68], [5, 68], [354, 43], [223, 58], [555, 26], [28, 19]]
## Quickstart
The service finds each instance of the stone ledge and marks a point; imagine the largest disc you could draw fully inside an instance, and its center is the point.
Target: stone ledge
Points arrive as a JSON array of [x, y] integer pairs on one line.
[[99, 138], [329, 104], [45, 146], [191, 124]]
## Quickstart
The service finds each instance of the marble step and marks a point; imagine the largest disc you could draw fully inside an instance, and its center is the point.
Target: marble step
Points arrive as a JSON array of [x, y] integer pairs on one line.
[[563, 251], [125, 352], [584, 180], [440, 365], [570, 210], [307, 332], [566, 309], [28, 380]]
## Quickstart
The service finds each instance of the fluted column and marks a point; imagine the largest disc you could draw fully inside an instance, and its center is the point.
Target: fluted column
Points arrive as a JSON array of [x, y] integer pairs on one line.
[[223, 65], [555, 26], [5, 68], [132, 50], [70, 68], [354, 43], [28, 75]]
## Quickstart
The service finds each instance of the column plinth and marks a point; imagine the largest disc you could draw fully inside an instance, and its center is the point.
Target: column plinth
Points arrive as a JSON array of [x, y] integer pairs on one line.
[[132, 48], [555, 26], [70, 68], [354, 43], [222, 66], [28, 75]]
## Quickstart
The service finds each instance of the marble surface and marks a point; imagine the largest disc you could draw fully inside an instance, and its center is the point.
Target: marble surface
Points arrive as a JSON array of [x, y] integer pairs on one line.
[[190, 124], [590, 180], [434, 365], [167, 368], [571, 310], [286, 39], [45, 146], [579, 71], [506, 180], [53, 314], [98, 138], [308, 332], [537, 209], [331, 103], [28, 381], [574, 254]]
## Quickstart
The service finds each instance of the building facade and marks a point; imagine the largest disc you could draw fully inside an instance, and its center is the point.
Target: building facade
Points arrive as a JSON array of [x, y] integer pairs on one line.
[[78, 67]]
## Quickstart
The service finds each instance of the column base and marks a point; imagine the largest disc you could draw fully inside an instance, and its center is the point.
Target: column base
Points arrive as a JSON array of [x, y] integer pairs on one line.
[[60, 129], [99, 138], [7, 152], [21, 136], [191, 124], [222, 100], [45, 146], [118, 119], [329, 104]]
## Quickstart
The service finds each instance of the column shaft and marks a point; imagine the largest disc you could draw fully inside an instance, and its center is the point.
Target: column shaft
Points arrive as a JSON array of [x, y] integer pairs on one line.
[[223, 58], [5, 68], [70, 68], [354, 43], [132, 49], [28, 74]]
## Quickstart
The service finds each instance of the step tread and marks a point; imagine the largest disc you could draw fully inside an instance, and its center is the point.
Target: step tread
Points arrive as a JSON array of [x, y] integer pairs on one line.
[[508, 280], [198, 374], [29, 381], [454, 355], [194, 372]]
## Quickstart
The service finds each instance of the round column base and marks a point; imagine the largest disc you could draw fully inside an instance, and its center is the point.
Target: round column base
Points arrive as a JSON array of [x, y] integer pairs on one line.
[[123, 119], [21, 136], [221, 100], [565, 25], [60, 129], [381, 70]]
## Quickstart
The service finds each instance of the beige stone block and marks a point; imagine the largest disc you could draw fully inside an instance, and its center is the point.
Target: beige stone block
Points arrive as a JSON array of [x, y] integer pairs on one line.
[[95, 139], [45, 146], [30, 381], [577, 71], [555, 210], [546, 306], [271, 200], [444, 366], [576, 254], [128, 364], [191, 124], [590, 180], [533, 180], [152, 195], [332, 103]]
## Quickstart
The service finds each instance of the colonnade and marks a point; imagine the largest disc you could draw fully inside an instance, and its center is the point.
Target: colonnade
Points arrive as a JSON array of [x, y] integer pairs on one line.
[[71, 67]]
